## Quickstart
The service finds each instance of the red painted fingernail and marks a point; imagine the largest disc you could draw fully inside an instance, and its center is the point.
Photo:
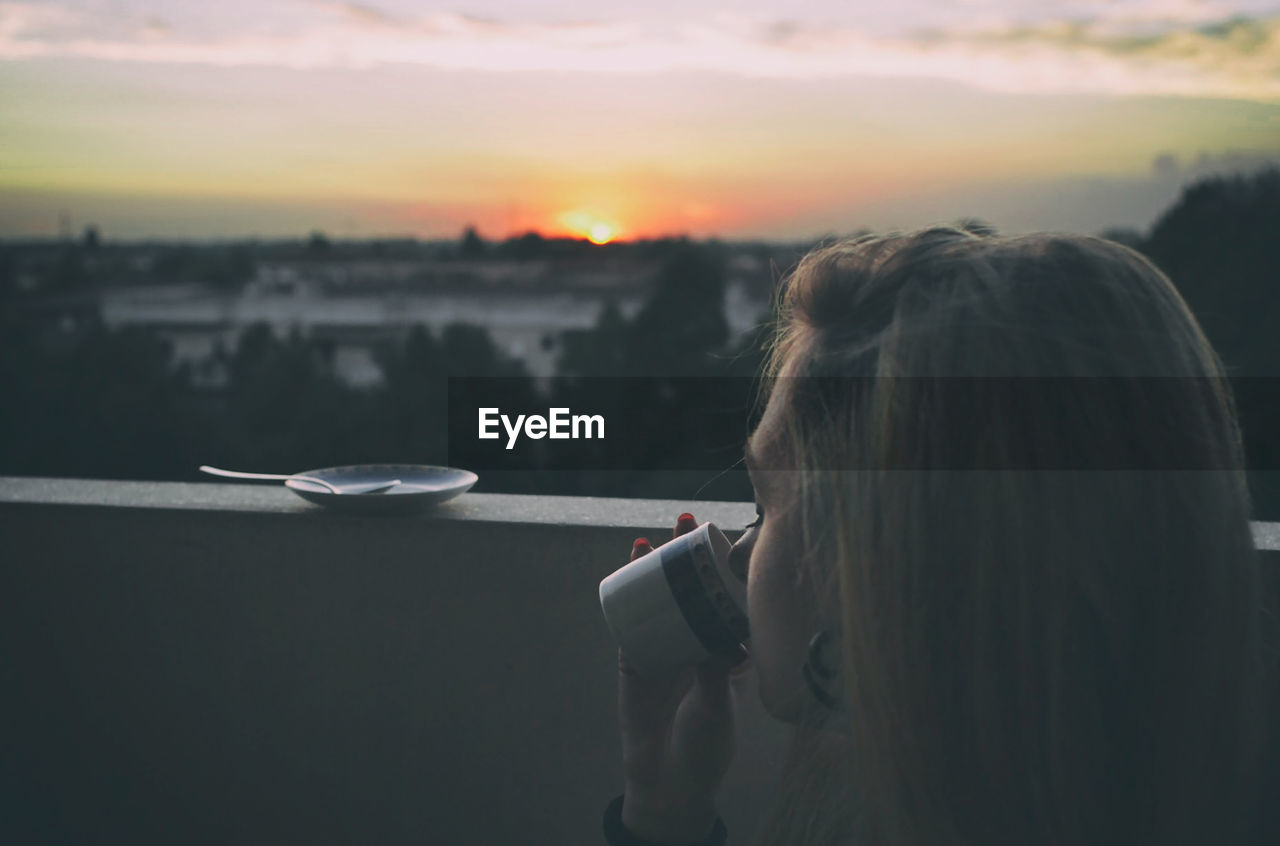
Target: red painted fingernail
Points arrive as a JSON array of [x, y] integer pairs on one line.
[[686, 521], [642, 543]]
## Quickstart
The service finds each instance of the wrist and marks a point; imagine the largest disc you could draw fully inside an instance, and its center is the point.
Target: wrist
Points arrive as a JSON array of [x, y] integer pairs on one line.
[[668, 821]]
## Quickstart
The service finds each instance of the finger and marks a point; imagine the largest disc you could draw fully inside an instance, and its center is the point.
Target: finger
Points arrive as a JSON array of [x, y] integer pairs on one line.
[[740, 655], [684, 524], [640, 548], [742, 662]]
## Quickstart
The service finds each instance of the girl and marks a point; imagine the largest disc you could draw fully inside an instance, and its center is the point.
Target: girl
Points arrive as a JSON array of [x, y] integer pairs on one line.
[[1002, 579]]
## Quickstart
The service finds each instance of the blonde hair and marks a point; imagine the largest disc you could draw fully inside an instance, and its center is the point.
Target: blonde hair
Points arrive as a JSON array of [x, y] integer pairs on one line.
[[1031, 652]]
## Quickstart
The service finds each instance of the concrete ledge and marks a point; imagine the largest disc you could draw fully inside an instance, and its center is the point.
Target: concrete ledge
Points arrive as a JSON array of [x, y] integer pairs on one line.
[[225, 663], [604, 512], [269, 498]]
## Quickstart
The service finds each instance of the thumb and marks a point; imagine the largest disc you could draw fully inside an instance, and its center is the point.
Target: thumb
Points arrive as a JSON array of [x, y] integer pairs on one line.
[[727, 662]]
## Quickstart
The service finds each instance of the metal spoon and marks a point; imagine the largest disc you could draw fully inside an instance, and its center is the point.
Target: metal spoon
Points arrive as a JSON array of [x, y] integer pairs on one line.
[[355, 489]]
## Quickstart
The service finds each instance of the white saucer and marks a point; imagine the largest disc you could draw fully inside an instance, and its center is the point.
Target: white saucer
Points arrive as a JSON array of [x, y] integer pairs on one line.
[[420, 485]]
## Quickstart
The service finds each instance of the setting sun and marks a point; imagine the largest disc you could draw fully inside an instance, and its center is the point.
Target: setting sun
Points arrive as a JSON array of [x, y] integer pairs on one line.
[[582, 224]]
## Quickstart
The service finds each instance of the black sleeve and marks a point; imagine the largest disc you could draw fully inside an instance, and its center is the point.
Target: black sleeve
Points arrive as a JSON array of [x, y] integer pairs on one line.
[[616, 834]]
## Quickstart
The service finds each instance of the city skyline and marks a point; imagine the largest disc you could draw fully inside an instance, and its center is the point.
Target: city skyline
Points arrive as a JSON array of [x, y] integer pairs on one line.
[[273, 120]]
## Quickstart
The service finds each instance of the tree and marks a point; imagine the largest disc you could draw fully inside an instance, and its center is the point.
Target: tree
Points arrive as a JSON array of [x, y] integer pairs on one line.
[[417, 394], [472, 245], [1218, 245], [530, 245], [683, 323]]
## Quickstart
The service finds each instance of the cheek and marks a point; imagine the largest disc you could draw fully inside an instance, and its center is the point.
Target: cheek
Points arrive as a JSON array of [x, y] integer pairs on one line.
[[769, 579], [755, 589], [778, 634], [766, 607]]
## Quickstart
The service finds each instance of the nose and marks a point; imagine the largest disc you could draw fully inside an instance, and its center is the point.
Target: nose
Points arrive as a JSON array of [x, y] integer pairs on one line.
[[740, 556]]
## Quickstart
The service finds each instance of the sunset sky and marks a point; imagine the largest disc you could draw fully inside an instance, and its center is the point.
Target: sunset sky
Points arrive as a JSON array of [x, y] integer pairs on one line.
[[270, 118]]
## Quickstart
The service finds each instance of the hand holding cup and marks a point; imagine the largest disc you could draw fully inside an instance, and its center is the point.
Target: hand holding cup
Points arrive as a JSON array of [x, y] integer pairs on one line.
[[677, 728]]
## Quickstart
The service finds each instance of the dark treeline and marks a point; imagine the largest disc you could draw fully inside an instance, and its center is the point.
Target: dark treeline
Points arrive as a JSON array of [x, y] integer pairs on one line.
[[82, 400]]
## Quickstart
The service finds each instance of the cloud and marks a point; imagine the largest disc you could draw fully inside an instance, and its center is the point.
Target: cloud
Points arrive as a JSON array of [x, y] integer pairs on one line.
[[33, 20], [156, 26], [355, 12], [1237, 57], [1160, 47], [1213, 44]]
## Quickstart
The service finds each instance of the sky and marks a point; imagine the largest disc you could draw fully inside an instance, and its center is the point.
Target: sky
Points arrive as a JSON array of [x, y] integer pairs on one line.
[[751, 119]]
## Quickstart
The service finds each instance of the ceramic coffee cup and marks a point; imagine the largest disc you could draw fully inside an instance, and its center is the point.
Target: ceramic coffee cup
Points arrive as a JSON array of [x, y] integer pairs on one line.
[[678, 605]]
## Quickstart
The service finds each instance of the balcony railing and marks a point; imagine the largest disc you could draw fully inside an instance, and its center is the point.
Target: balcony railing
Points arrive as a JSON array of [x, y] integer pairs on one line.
[[222, 663]]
